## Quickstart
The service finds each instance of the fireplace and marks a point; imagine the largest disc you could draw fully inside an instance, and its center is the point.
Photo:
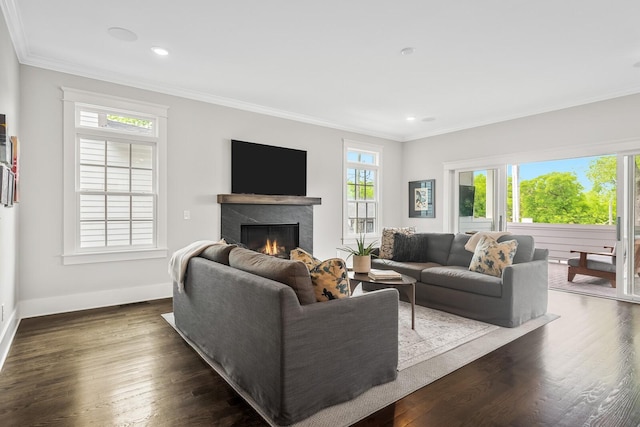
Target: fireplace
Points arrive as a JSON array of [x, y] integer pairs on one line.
[[237, 210], [271, 239]]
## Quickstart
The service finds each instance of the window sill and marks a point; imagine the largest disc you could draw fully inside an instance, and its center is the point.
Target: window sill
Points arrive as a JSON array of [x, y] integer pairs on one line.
[[130, 255], [370, 238]]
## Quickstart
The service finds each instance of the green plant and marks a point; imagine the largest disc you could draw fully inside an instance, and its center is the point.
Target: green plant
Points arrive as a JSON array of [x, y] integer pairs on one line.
[[361, 249]]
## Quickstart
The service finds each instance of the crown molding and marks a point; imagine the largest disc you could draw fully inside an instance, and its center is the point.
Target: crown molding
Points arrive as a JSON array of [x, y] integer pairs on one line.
[[16, 32], [528, 113], [64, 67]]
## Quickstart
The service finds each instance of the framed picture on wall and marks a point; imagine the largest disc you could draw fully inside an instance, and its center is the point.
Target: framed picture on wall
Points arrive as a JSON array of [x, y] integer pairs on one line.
[[4, 185], [6, 151], [422, 202], [16, 168]]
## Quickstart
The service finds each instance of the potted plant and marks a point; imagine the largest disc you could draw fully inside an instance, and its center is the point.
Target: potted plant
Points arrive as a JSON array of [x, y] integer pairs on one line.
[[362, 254]]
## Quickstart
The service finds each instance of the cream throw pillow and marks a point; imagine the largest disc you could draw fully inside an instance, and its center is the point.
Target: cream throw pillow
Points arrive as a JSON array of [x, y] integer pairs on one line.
[[475, 238], [491, 257]]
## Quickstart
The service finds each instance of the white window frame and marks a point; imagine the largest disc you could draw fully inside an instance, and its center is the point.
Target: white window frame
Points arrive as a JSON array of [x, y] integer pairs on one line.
[[72, 99], [377, 150]]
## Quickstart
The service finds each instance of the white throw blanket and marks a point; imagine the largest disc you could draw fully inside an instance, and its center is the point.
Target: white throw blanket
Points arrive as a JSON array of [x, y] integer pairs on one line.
[[473, 241], [181, 257]]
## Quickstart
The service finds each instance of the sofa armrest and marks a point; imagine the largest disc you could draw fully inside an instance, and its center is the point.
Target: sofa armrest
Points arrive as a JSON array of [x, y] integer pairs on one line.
[[526, 286], [343, 347]]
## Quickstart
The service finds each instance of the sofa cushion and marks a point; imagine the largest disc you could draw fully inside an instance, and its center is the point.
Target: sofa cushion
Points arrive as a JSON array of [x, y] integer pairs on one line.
[[218, 253], [439, 247], [388, 237], [292, 273], [526, 247], [329, 278], [491, 257], [410, 247], [460, 278], [413, 269], [458, 255], [595, 262]]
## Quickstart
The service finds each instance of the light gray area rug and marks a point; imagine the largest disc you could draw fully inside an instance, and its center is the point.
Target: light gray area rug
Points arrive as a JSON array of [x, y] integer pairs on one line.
[[425, 356], [436, 332]]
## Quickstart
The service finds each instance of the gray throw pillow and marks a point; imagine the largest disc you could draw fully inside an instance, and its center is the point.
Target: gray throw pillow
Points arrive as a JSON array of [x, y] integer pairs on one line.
[[292, 273], [218, 253], [410, 248]]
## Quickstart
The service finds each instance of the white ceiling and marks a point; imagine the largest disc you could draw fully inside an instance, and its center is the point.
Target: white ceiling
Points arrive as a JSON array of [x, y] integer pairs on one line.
[[338, 63]]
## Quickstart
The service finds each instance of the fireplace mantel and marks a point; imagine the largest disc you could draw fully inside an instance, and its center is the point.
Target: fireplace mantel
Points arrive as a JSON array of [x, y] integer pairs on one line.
[[261, 199]]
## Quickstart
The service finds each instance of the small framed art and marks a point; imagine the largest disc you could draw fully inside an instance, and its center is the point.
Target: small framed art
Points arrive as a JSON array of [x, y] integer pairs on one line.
[[422, 199]]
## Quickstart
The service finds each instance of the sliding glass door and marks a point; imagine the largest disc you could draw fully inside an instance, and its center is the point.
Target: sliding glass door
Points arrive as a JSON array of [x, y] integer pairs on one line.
[[628, 227]]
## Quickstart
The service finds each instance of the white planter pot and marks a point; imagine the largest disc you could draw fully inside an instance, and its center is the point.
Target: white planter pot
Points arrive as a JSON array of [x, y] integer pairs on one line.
[[362, 264]]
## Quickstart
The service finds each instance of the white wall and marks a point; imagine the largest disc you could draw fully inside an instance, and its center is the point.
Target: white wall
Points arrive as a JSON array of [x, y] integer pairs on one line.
[[199, 155], [573, 132], [9, 105]]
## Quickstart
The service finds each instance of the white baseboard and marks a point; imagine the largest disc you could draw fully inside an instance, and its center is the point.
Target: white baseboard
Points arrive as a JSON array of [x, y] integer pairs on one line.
[[84, 301], [6, 338]]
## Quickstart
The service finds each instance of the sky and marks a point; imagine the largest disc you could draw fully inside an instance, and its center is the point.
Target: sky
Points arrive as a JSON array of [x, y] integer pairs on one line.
[[579, 166]]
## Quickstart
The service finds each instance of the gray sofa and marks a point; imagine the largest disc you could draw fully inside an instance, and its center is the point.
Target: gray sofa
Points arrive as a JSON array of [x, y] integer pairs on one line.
[[290, 358], [444, 281]]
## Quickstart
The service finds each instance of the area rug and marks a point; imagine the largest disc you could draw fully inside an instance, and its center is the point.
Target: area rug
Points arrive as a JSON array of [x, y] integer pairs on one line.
[[425, 357], [435, 333]]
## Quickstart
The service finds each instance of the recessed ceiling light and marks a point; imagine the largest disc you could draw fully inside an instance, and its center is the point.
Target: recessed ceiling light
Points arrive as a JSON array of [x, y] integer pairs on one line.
[[428, 119], [160, 51], [407, 51], [122, 34], [410, 118]]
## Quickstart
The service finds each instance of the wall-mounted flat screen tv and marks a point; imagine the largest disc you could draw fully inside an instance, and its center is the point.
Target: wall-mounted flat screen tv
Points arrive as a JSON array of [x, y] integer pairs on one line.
[[467, 196], [267, 169]]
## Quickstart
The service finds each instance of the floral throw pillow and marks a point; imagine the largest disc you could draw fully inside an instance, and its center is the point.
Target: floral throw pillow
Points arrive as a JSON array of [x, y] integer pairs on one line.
[[388, 240], [491, 257], [329, 278], [299, 254]]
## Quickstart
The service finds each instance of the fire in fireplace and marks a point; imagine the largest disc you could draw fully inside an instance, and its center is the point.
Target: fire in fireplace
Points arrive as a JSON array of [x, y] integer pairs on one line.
[[271, 239]]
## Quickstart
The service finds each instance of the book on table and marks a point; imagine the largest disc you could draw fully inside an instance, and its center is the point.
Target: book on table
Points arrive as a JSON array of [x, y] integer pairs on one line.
[[377, 274]]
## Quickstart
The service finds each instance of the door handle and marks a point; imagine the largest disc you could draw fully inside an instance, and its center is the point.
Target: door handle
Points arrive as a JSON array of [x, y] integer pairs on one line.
[[618, 234]]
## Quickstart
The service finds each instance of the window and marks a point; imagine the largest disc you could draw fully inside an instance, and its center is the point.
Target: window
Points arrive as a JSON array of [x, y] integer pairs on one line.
[[115, 202], [362, 188]]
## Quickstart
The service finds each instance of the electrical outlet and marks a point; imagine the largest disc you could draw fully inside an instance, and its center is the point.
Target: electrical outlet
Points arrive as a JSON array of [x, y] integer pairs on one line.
[[187, 214]]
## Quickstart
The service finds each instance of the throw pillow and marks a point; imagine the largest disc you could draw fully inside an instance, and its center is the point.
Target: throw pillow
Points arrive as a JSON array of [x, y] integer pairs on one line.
[[329, 278], [288, 272], [491, 257], [388, 237], [475, 238], [410, 248], [218, 252], [309, 260]]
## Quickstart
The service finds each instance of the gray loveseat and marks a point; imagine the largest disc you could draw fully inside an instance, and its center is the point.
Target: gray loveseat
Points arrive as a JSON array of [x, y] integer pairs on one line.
[[444, 281], [290, 355]]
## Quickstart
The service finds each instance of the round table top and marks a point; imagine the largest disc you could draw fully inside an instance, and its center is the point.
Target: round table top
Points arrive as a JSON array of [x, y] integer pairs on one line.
[[364, 277]]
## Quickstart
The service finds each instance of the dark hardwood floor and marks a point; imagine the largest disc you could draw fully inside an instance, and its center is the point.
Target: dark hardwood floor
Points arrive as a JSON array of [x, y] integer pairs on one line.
[[126, 366]]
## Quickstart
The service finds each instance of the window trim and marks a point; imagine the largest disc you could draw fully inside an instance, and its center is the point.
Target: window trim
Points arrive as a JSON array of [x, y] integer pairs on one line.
[[72, 254], [347, 237]]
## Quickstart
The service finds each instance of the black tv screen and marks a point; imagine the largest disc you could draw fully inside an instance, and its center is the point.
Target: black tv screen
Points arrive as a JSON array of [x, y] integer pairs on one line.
[[467, 196], [266, 169]]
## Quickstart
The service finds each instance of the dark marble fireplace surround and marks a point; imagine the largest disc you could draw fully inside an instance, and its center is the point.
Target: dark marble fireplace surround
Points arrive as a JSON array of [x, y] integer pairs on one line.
[[238, 209]]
